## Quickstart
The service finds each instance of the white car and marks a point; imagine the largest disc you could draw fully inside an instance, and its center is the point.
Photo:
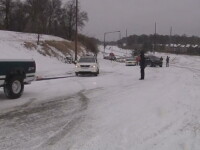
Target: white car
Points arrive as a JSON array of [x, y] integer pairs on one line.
[[87, 64], [131, 62], [121, 60]]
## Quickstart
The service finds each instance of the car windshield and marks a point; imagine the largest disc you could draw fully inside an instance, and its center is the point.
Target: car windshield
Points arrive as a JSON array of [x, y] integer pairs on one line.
[[154, 58], [87, 60], [130, 59]]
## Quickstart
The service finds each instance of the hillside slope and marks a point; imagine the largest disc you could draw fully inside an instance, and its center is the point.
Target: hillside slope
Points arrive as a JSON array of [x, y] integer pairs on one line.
[[50, 52]]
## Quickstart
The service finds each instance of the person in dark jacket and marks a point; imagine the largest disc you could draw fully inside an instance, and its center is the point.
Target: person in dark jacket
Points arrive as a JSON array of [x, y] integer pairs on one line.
[[142, 65], [167, 61], [161, 58]]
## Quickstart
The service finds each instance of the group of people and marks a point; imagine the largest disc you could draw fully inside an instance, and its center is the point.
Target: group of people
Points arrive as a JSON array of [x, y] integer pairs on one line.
[[143, 64], [167, 60]]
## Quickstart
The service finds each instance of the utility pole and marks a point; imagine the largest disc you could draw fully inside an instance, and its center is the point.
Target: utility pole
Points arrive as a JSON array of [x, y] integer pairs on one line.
[[170, 32], [155, 40], [120, 37], [126, 40], [126, 33], [104, 43], [76, 32], [170, 38], [126, 37]]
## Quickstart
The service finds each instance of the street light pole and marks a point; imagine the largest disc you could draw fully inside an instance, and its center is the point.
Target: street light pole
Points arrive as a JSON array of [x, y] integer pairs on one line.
[[155, 42], [104, 42], [126, 41], [76, 32], [105, 38]]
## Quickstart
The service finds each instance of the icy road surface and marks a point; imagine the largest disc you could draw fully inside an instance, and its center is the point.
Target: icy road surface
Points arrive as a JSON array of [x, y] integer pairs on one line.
[[114, 111]]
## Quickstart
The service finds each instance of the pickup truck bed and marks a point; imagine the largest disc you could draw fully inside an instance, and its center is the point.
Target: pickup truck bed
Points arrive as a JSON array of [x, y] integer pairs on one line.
[[14, 74]]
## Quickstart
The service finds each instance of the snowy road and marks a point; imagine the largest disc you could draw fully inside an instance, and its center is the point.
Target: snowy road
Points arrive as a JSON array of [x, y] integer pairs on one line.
[[112, 111]]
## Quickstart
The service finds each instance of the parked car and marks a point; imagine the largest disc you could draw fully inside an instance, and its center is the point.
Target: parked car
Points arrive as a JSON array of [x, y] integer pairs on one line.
[[111, 56], [68, 59], [121, 59], [87, 64], [131, 62], [14, 74], [153, 61], [106, 57]]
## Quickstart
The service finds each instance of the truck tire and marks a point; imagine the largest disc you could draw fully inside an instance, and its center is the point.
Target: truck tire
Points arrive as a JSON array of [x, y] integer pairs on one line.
[[14, 87], [96, 73]]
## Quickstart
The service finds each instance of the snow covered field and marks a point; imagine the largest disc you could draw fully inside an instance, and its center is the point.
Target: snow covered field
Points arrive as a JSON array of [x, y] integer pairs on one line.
[[112, 111]]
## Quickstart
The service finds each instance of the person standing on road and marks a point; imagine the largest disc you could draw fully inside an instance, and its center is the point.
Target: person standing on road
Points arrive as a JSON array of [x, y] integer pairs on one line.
[[167, 61], [142, 65], [161, 58], [137, 60]]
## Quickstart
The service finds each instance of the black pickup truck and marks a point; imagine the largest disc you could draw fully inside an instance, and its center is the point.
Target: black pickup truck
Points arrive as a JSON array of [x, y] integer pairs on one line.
[[14, 74], [153, 61]]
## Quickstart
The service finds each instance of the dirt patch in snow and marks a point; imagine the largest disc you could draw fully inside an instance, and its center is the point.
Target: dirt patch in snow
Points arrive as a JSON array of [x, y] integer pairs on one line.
[[64, 47], [48, 50], [30, 45], [58, 49]]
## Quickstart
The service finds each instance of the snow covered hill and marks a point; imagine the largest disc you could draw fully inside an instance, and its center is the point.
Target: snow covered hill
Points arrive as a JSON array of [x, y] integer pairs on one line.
[[15, 45]]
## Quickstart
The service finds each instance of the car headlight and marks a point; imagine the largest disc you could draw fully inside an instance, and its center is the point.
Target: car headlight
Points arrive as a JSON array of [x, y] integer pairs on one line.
[[78, 66], [93, 66]]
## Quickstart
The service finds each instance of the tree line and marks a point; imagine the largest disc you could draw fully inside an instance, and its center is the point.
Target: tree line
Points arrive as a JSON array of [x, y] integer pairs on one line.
[[160, 39], [160, 42], [42, 17]]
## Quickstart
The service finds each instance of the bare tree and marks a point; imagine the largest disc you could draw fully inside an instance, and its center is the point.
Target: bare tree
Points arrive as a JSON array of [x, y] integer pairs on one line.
[[70, 18], [37, 14], [54, 12], [18, 17], [6, 8], [41, 16]]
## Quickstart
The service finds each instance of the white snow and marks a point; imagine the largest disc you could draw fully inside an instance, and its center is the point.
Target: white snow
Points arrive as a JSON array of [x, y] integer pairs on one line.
[[159, 113]]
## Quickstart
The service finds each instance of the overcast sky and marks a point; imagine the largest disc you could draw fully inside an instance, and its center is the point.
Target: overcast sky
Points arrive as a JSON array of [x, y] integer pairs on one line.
[[139, 17]]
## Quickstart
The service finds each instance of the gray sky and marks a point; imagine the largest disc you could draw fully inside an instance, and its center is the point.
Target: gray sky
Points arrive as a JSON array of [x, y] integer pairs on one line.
[[139, 17]]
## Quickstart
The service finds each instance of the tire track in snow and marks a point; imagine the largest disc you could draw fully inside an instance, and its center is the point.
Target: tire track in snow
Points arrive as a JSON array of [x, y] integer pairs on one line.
[[58, 116], [73, 123], [192, 69], [189, 68]]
